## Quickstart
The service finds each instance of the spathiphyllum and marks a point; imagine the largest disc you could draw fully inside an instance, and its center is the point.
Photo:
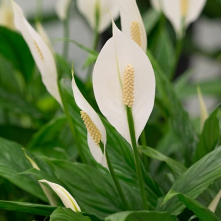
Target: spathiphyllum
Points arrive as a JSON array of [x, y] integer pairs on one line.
[[41, 53], [130, 140], [96, 12], [132, 23], [180, 12]]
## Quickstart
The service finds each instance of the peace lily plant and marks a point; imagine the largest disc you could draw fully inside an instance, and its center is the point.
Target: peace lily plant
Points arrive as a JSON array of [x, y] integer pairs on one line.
[[181, 13], [121, 146]]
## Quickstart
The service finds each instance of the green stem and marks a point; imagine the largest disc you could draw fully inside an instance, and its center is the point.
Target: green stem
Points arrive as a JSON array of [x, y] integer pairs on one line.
[[39, 10], [116, 182], [66, 34], [71, 125], [179, 46], [136, 157]]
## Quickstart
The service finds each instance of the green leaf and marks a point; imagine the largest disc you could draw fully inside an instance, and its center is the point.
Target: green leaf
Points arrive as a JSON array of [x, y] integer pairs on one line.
[[180, 122], [54, 139], [27, 207], [208, 88], [173, 164], [67, 215], [14, 48], [150, 19], [202, 212], [209, 136], [194, 181], [92, 188], [13, 161], [141, 216]]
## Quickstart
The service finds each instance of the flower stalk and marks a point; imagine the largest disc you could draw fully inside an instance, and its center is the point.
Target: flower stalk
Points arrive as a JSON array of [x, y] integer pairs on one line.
[[115, 179], [136, 157], [71, 125]]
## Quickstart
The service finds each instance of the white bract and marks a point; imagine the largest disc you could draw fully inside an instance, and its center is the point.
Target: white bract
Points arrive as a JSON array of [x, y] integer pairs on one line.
[[96, 130], [6, 14], [213, 205], [203, 110], [61, 8], [89, 7], [64, 195], [180, 12], [156, 4], [41, 53], [132, 23], [123, 75]]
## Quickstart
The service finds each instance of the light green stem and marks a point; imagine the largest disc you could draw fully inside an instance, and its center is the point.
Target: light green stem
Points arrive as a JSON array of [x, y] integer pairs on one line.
[[136, 157], [66, 24], [71, 125], [116, 182]]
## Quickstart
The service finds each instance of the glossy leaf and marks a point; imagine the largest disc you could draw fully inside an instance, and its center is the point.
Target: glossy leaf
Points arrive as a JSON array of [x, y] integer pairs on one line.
[[209, 137], [203, 213], [194, 181], [174, 165], [141, 216], [38, 209]]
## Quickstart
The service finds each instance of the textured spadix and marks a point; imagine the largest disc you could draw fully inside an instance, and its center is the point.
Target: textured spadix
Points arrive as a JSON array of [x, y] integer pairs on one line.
[[96, 130], [61, 8], [88, 9], [6, 14], [64, 195], [40, 52], [182, 12], [132, 23], [119, 53]]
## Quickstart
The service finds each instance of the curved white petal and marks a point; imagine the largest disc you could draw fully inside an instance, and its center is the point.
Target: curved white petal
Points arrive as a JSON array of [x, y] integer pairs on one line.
[[88, 9], [203, 110], [213, 205], [172, 10], [85, 106], [61, 8], [117, 53], [156, 4], [41, 31], [195, 9], [64, 195], [132, 20], [6, 14], [40, 52]]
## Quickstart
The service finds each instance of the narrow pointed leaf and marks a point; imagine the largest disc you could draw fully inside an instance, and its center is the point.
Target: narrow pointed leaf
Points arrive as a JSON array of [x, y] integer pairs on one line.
[[25, 207], [175, 166], [194, 181], [67, 215], [141, 216], [203, 213], [209, 137]]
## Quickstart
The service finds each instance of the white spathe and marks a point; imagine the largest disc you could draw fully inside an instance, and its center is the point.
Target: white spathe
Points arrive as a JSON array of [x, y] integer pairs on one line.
[[173, 11], [213, 205], [156, 4], [42, 55], [88, 9], [129, 13], [64, 195], [61, 8], [117, 53], [6, 14], [86, 107]]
